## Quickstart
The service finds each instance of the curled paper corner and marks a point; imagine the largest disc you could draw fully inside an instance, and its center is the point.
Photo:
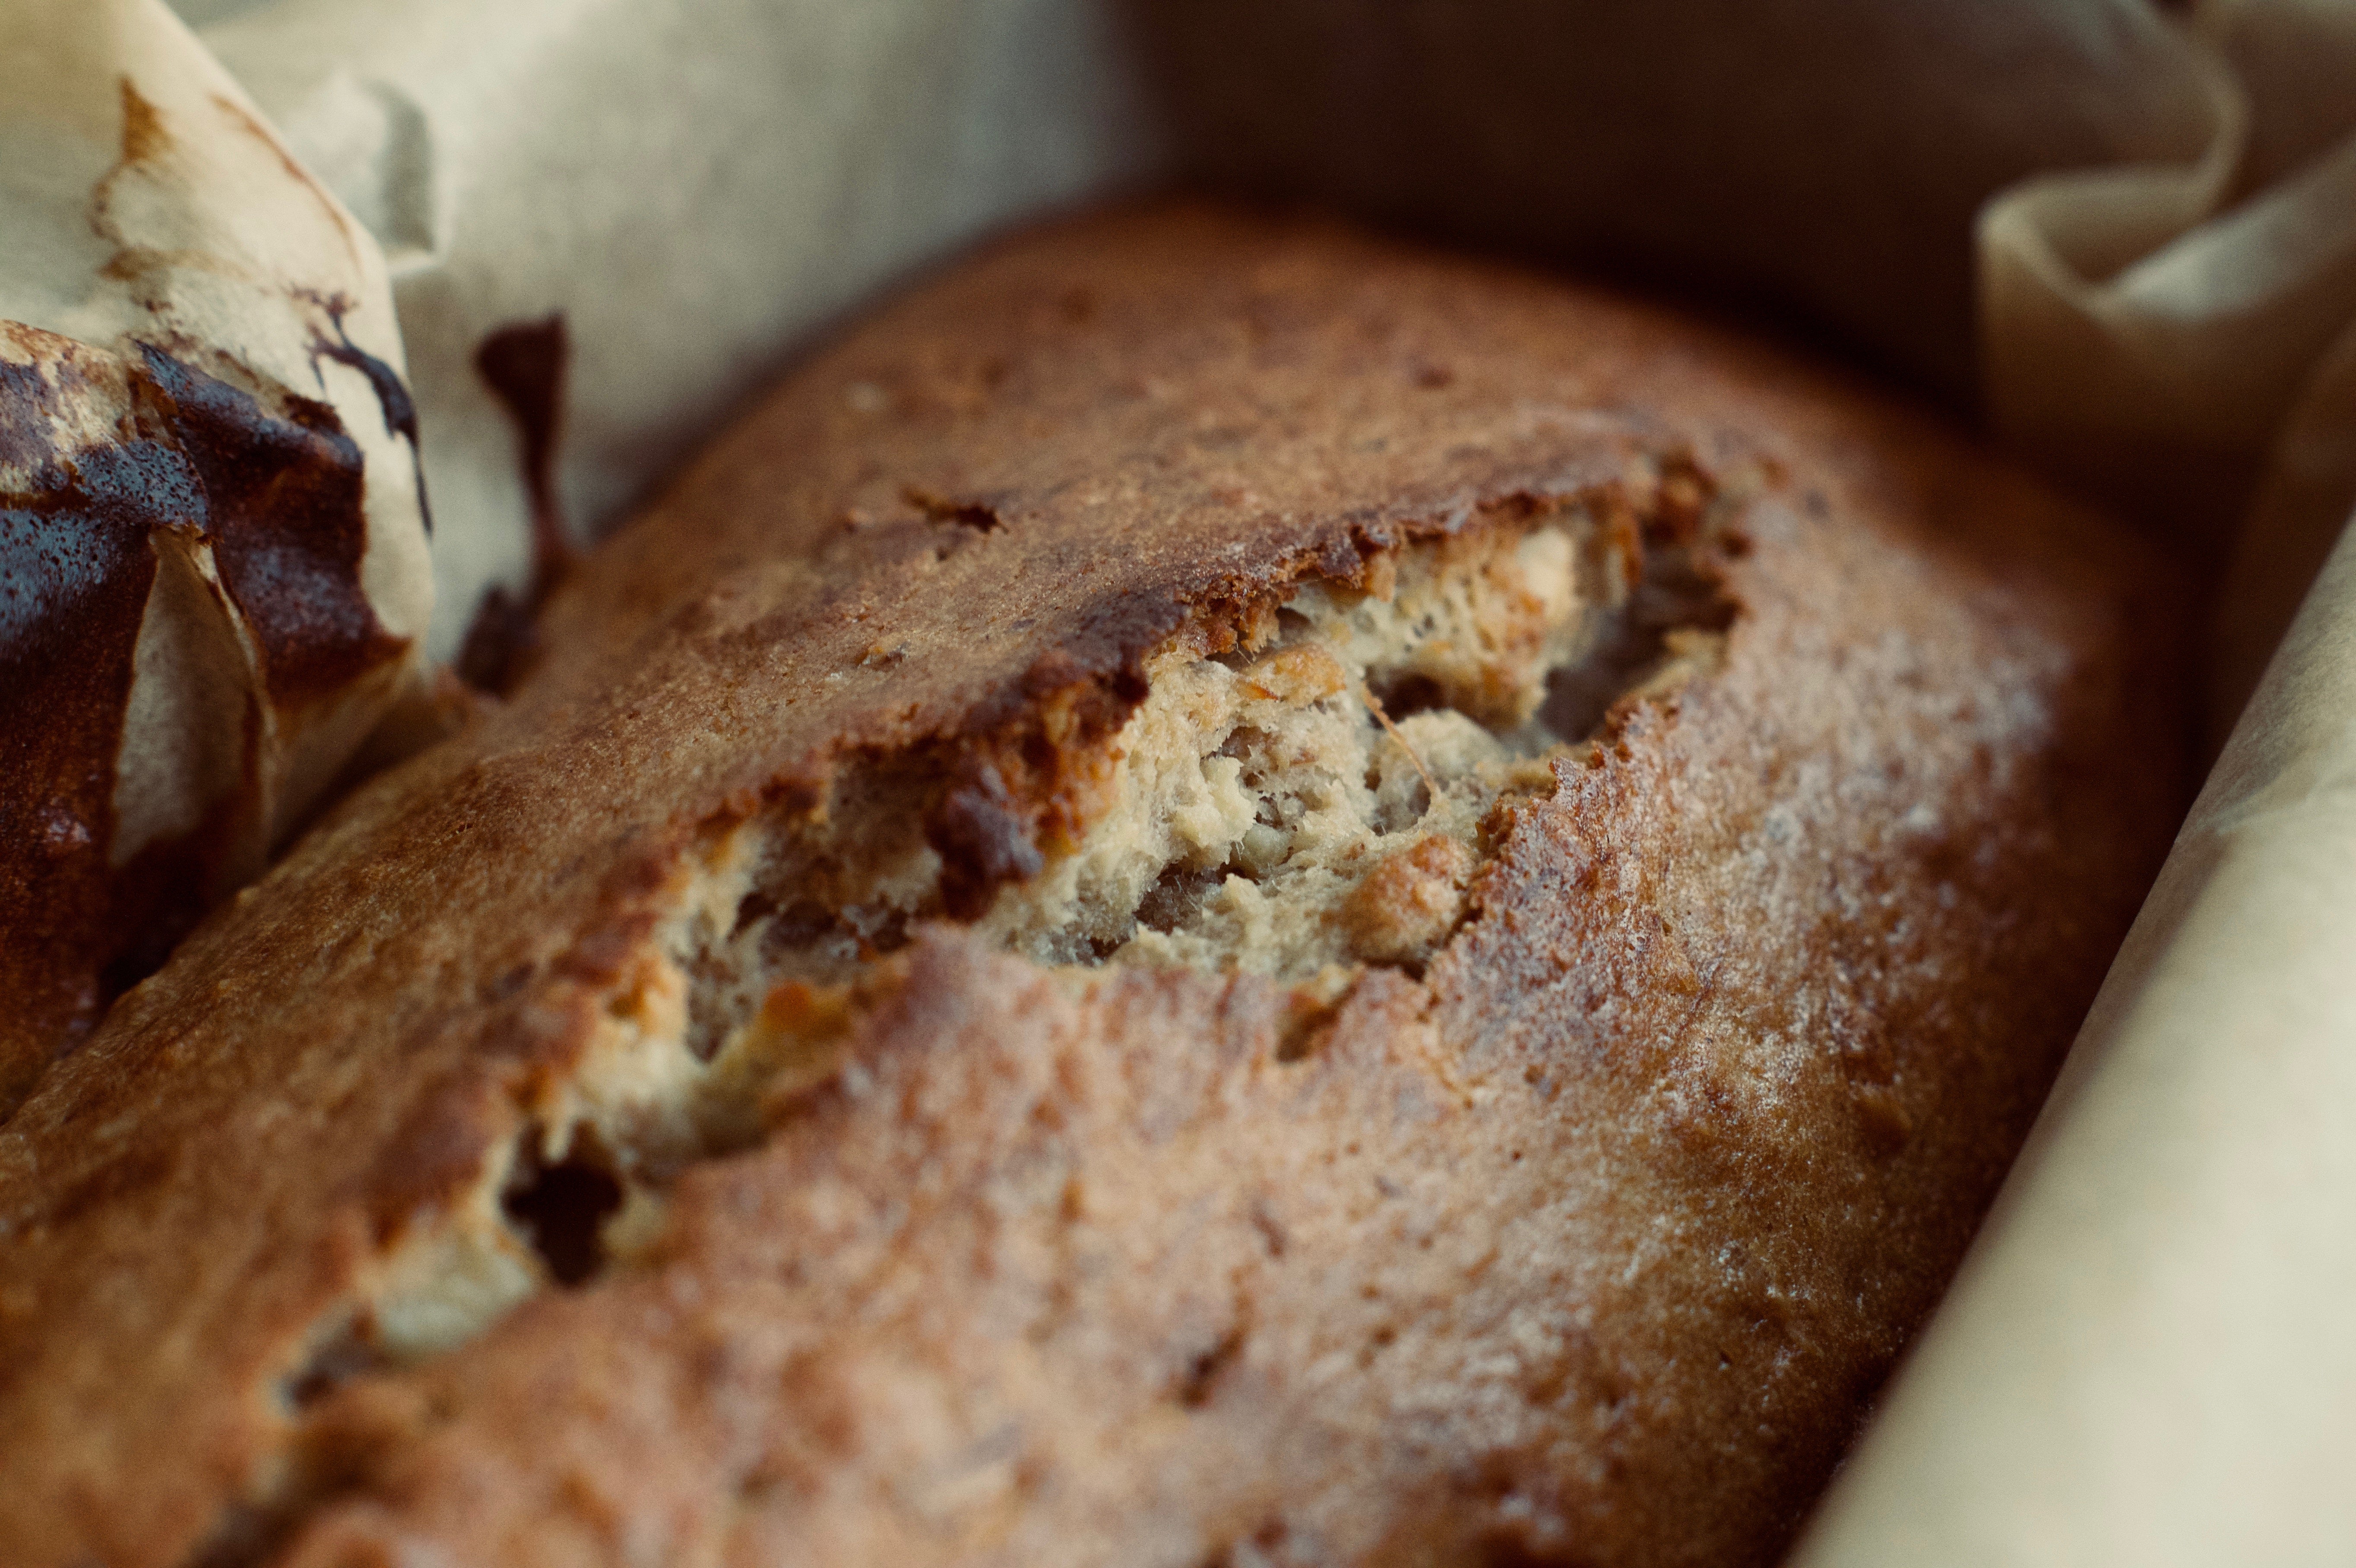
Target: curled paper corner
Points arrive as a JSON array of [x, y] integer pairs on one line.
[[2081, 366], [214, 574], [2181, 340]]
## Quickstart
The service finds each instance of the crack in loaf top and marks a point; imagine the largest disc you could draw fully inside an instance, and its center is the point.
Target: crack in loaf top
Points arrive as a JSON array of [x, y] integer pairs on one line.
[[1041, 467]]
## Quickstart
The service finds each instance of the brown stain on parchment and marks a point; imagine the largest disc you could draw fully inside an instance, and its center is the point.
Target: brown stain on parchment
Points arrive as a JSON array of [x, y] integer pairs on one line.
[[278, 495], [274, 484], [283, 507], [392, 397], [144, 137], [146, 140], [76, 565], [524, 364]]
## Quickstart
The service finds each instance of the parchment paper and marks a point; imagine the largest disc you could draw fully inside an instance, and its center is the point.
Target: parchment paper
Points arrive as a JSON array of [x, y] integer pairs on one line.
[[213, 568], [147, 204], [2142, 1360]]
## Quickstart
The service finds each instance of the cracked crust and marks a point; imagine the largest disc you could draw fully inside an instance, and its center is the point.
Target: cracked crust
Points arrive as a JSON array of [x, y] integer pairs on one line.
[[1589, 1243]]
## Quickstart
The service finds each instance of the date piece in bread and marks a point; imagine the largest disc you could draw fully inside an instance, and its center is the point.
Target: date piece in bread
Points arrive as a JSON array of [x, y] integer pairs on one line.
[[1221, 894]]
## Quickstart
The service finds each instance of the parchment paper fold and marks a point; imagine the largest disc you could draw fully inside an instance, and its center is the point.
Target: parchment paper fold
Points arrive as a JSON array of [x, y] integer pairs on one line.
[[213, 562]]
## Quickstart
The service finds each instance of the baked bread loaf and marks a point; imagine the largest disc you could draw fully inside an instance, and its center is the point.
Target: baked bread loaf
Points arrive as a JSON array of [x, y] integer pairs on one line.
[[1223, 893]]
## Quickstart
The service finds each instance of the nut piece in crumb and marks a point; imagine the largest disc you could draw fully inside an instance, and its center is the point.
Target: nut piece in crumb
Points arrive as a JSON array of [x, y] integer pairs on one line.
[[1298, 675], [791, 1044], [1410, 902]]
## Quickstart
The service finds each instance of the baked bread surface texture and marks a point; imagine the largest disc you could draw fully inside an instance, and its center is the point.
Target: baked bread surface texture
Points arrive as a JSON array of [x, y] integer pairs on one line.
[[669, 1122]]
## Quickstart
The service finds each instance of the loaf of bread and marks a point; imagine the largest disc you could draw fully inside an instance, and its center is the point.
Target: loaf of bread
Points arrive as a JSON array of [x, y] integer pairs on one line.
[[1222, 894]]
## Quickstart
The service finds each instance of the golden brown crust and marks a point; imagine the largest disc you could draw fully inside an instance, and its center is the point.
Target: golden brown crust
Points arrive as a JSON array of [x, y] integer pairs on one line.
[[1588, 1245]]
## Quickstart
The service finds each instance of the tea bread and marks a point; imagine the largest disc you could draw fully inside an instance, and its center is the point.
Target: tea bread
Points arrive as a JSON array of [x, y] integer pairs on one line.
[[1223, 893]]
